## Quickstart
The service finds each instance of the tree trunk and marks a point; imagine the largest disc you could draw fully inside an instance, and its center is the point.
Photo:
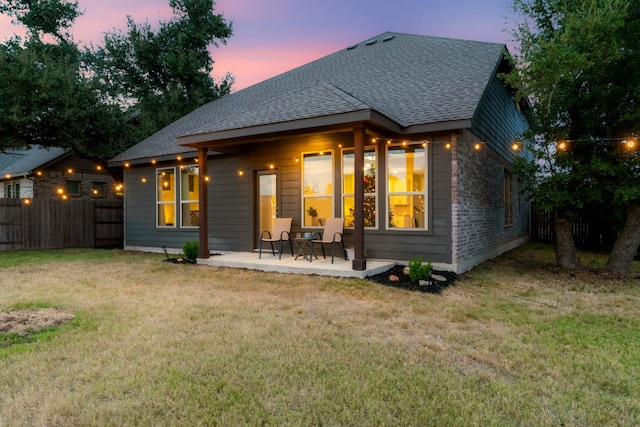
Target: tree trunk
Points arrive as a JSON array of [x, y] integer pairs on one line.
[[566, 253], [626, 245]]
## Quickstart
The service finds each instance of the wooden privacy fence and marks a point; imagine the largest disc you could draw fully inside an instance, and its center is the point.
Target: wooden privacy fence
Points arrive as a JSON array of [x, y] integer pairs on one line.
[[591, 230], [55, 223]]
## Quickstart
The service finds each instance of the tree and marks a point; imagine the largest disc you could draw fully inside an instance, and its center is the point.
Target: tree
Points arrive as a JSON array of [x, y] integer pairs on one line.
[[579, 67], [99, 102], [164, 74], [47, 97]]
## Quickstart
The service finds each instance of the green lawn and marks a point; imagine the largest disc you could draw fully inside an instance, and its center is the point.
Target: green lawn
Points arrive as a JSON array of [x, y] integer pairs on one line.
[[514, 342]]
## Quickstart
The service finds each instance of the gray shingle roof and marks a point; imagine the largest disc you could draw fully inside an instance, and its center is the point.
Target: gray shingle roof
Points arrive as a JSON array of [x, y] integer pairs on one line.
[[24, 162], [410, 79]]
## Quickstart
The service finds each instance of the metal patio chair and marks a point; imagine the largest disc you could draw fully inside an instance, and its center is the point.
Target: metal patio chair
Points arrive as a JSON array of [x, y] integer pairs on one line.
[[331, 235], [281, 233]]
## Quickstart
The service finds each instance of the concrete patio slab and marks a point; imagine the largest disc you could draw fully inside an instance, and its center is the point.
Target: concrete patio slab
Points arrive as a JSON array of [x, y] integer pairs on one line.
[[288, 264]]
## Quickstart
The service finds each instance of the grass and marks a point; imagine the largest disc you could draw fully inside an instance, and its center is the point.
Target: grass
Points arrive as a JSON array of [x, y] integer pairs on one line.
[[515, 342]]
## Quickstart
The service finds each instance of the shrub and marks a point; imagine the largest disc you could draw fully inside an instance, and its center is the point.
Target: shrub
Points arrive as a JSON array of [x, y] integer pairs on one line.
[[190, 249], [418, 270]]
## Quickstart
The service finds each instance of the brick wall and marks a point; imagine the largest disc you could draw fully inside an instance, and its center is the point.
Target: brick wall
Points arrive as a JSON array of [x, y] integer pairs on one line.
[[478, 210], [47, 185]]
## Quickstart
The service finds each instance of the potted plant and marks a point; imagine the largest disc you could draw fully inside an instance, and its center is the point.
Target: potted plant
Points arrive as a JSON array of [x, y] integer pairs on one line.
[[313, 213]]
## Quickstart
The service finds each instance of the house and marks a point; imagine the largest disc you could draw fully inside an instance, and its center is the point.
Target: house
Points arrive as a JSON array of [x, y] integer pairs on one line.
[[45, 173], [409, 138]]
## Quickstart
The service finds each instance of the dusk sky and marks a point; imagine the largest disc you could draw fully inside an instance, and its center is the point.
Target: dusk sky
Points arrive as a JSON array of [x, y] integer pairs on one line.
[[273, 36]]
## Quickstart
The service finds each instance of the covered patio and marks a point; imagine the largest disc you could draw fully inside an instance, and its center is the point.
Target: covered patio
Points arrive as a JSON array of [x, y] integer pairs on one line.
[[289, 264]]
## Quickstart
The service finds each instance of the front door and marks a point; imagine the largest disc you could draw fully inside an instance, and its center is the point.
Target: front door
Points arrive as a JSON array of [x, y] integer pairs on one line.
[[267, 203]]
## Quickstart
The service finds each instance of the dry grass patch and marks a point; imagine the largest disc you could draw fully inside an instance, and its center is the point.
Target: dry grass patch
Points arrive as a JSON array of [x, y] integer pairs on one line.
[[512, 342]]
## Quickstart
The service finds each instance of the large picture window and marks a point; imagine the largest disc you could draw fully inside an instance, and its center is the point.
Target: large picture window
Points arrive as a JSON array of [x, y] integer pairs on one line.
[[348, 187], [189, 193], [407, 186], [166, 197], [317, 194]]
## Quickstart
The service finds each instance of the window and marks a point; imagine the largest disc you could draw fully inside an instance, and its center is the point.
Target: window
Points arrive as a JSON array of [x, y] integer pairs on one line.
[[317, 194], [407, 186], [348, 187], [73, 188], [12, 190], [166, 197], [99, 189], [508, 198], [189, 191]]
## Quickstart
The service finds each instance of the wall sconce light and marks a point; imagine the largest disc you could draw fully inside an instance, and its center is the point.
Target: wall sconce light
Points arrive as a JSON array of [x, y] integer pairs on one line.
[[7, 175], [70, 170], [515, 146], [477, 146], [240, 172], [39, 173], [60, 191], [26, 201], [119, 188], [153, 161], [144, 180], [65, 197], [206, 178], [297, 160], [126, 165], [99, 167], [447, 146]]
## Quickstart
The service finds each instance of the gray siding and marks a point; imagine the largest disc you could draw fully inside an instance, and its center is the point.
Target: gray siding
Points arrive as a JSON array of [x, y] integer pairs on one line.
[[231, 199], [497, 121]]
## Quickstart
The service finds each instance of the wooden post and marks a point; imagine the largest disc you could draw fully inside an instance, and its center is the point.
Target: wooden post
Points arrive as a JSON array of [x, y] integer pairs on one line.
[[359, 263], [203, 203]]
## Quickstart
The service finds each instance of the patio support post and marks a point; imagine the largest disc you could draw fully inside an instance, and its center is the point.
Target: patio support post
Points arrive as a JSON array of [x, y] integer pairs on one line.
[[359, 136], [203, 226]]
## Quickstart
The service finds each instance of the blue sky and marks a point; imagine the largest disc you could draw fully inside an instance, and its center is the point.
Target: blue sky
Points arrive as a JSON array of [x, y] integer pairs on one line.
[[273, 36]]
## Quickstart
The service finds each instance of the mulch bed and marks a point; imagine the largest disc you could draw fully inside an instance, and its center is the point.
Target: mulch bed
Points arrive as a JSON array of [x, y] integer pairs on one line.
[[439, 280]]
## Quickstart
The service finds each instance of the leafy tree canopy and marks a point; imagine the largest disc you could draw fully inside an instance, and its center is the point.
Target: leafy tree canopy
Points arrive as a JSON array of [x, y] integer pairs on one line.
[[579, 66], [101, 101]]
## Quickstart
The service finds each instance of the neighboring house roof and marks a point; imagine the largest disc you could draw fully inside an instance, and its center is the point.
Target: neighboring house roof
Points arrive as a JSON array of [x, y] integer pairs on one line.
[[411, 83], [25, 162]]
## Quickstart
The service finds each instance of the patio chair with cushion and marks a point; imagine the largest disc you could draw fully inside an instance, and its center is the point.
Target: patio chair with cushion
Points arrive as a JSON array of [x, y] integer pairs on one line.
[[331, 235], [281, 233]]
